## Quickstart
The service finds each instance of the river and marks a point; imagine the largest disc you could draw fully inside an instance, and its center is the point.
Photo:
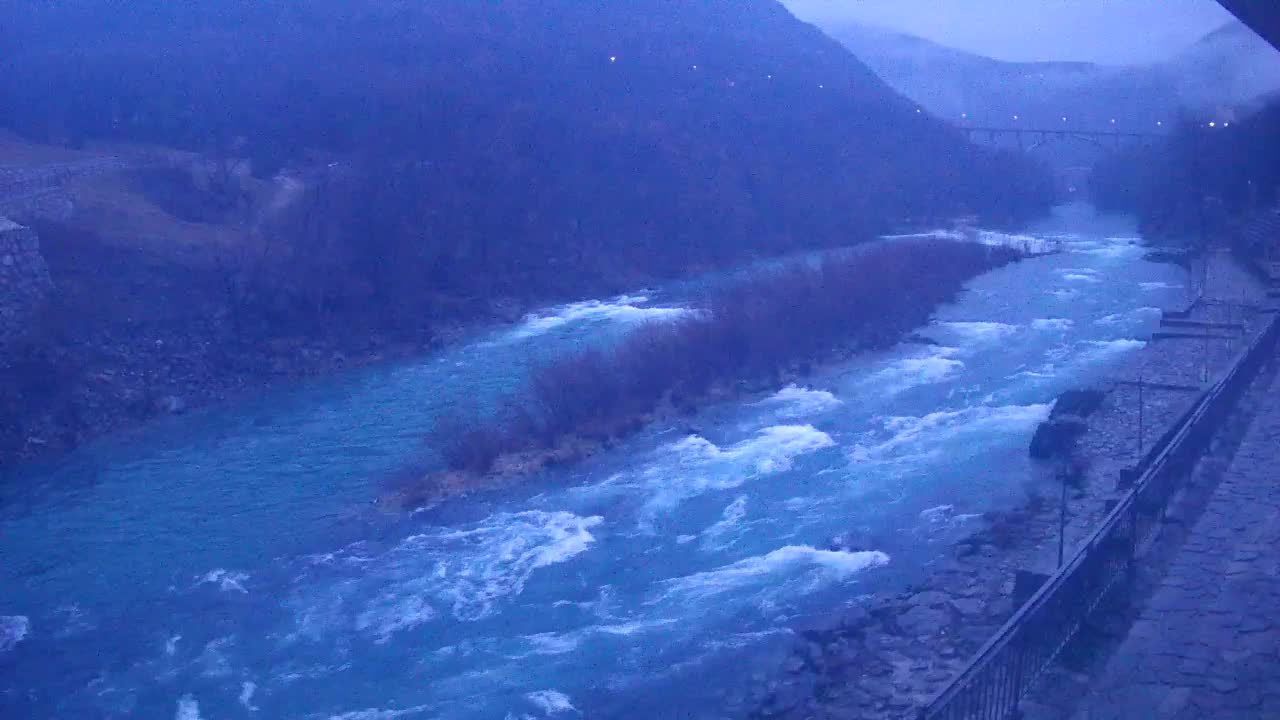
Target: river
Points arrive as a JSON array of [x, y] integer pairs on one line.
[[229, 563]]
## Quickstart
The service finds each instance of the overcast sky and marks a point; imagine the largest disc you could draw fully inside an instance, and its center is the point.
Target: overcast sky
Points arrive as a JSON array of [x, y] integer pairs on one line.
[[1108, 31]]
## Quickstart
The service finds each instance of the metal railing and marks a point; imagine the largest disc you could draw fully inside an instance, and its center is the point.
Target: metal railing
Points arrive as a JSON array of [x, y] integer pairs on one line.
[[1002, 672]]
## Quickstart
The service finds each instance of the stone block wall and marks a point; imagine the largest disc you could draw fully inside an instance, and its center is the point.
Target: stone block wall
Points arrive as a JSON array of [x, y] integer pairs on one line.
[[25, 285]]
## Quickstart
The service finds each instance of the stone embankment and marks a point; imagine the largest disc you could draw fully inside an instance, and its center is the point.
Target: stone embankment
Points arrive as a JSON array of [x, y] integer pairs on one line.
[[885, 658], [25, 286]]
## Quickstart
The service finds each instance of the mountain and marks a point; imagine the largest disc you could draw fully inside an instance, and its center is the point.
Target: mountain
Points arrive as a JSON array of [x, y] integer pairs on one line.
[[1229, 66], [529, 145]]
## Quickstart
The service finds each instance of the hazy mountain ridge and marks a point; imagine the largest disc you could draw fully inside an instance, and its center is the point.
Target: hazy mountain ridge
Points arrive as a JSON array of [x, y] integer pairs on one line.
[[1229, 66]]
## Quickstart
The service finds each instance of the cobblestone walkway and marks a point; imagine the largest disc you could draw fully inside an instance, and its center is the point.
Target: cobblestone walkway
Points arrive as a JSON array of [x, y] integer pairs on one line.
[[1207, 643]]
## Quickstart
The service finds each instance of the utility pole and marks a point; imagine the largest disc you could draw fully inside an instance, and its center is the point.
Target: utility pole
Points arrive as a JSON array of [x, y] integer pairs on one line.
[[1062, 515], [1142, 411]]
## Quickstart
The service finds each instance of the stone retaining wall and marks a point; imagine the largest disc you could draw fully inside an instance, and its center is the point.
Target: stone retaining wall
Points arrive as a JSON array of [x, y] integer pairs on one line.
[[25, 285]]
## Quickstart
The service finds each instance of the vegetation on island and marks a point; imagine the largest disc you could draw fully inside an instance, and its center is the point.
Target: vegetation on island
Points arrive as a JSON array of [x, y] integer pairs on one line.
[[763, 327]]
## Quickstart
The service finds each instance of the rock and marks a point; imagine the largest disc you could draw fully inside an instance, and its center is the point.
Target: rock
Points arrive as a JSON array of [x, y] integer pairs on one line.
[[930, 598], [968, 606], [1055, 437], [172, 404], [923, 621]]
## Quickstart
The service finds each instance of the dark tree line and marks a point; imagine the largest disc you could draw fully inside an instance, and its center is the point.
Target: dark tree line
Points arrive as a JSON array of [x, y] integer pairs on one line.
[[1203, 178]]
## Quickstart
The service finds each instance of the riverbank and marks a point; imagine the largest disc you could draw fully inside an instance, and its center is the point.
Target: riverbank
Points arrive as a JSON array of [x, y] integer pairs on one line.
[[884, 658]]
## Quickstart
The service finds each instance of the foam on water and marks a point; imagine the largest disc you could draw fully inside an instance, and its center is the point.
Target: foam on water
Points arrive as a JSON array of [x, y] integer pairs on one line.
[[188, 709], [936, 366], [692, 466], [1108, 347], [469, 573], [375, 714], [908, 435], [939, 234], [981, 331], [795, 401], [624, 308], [1062, 324], [945, 516], [826, 565], [13, 629], [551, 702], [1017, 241], [247, 689], [716, 537], [226, 580]]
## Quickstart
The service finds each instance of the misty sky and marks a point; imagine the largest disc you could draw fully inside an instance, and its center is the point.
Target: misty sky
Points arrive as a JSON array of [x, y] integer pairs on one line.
[[1108, 31]]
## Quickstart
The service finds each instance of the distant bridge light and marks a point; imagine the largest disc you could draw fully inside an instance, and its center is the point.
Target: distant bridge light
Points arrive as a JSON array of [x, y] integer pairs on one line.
[[1226, 124], [1212, 124]]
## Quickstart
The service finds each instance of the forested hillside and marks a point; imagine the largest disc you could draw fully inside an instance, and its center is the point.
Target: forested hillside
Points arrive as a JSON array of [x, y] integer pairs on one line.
[[532, 136]]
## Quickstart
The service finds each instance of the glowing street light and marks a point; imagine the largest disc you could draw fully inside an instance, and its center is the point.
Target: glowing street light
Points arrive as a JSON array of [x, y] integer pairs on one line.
[[613, 58], [1015, 117], [1212, 124]]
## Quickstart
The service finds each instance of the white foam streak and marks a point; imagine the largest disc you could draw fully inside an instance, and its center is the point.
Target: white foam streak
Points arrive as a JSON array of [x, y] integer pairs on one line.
[[551, 702], [935, 367], [1107, 347], [375, 714], [939, 234], [832, 565], [624, 308], [981, 331], [226, 580], [714, 537], [917, 437], [1025, 243], [1062, 324], [247, 689], [13, 629], [472, 571], [799, 402], [695, 465], [188, 709]]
